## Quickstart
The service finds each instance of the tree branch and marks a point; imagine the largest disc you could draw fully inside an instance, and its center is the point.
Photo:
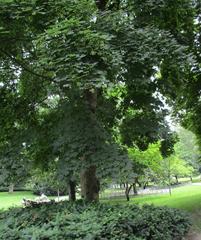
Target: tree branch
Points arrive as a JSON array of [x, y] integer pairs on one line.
[[24, 67]]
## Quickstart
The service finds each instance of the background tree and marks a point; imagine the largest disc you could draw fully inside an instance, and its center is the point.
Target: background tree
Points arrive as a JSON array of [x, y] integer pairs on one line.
[[187, 148], [177, 168]]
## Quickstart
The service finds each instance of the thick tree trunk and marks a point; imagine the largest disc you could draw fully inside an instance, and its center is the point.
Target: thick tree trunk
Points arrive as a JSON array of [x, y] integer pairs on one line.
[[89, 184], [191, 179], [101, 4], [71, 191], [11, 188]]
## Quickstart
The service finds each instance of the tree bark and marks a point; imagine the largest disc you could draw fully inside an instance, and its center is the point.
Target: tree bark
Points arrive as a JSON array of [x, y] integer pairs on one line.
[[137, 181], [128, 188], [89, 184], [11, 188], [72, 191], [145, 185], [134, 188], [101, 4], [177, 181]]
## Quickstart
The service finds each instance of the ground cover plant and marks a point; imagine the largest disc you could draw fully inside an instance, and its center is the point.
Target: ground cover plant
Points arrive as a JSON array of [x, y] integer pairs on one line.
[[80, 220], [186, 198]]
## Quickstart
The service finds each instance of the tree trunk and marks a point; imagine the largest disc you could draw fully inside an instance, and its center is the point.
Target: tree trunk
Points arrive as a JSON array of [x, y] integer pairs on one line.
[[89, 184], [137, 181], [191, 179], [11, 188], [101, 4], [71, 191], [177, 181], [145, 185], [128, 188], [134, 188]]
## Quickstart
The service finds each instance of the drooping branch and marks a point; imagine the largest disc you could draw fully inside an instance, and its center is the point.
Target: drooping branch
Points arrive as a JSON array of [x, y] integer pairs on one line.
[[23, 66]]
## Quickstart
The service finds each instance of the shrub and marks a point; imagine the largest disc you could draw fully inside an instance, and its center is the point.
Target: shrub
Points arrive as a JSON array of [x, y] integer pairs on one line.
[[93, 222], [46, 182], [48, 189]]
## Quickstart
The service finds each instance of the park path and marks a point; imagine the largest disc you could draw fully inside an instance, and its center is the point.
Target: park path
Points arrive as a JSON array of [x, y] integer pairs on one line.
[[194, 236]]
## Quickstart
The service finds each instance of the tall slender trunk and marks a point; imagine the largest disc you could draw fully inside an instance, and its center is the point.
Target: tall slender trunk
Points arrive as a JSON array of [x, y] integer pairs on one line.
[[145, 185], [71, 191], [139, 183], [127, 192], [135, 187], [89, 184], [177, 181], [11, 188]]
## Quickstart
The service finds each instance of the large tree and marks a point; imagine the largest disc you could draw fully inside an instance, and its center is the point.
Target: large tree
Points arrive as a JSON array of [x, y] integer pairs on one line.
[[75, 73]]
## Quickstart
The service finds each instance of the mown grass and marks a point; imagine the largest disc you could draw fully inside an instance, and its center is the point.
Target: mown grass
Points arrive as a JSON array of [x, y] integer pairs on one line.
[[13, 199], [187, 198]]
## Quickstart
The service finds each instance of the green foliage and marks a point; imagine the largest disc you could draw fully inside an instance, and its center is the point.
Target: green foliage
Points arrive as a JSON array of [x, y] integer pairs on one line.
[[178, 167], [148, 163], [15, 166], [84, 221], [62, 61], [187, 148], [47, 183]]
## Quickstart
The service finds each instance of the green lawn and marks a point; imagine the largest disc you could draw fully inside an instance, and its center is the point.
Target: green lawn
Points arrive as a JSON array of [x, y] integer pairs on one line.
[[187, 198], [13, 199]]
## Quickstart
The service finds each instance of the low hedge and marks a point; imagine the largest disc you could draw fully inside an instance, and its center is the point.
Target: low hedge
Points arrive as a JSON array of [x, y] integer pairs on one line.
[[80, 220], [17, 189]]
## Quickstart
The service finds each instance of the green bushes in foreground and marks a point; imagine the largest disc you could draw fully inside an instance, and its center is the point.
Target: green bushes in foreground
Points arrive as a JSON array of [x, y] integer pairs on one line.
[[93, 222]]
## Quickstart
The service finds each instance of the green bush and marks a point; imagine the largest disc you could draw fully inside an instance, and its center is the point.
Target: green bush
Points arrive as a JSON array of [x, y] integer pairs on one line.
[[93, 222], [48, 189]]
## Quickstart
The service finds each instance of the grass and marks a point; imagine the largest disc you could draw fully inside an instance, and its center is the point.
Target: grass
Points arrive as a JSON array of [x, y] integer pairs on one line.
[[187, 198], [13, 199]]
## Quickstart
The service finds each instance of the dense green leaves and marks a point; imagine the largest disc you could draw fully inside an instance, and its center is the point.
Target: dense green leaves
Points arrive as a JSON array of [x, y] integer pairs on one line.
[[79, 78], [81, 221]]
